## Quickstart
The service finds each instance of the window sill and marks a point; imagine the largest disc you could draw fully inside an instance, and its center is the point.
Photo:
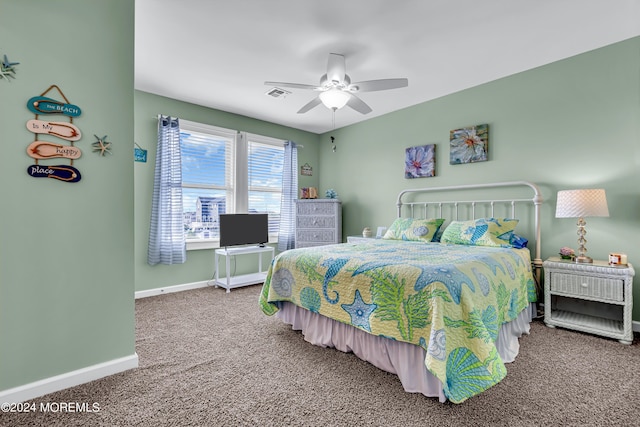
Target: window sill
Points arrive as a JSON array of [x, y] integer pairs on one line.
[[194, 245]]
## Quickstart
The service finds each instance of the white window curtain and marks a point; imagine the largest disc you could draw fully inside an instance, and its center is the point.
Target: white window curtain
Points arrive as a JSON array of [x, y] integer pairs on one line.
[[167, 243], [286, 235]]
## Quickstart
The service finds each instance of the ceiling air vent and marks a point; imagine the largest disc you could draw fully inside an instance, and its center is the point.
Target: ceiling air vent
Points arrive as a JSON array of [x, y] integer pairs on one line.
[[276, 92]]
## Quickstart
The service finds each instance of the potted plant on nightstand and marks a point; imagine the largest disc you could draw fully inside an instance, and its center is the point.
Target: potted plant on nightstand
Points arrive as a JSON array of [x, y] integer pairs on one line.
[[567, 253]]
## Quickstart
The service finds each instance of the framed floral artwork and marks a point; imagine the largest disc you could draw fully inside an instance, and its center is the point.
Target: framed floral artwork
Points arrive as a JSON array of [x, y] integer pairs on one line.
[[420, 162], [469, 145]]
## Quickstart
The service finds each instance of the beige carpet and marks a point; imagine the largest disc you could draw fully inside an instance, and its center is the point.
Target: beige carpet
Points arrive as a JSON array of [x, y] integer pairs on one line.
[[213, 359]]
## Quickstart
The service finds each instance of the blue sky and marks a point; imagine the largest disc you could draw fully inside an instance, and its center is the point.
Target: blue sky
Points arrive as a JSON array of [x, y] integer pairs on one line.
[[202, 164]]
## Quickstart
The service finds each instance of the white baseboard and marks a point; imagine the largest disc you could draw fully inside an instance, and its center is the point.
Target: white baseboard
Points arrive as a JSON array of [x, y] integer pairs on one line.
[[69, 379], [170, 289]]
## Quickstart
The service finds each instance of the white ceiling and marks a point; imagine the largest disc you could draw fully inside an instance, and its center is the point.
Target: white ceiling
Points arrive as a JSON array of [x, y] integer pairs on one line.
[[219, 53]]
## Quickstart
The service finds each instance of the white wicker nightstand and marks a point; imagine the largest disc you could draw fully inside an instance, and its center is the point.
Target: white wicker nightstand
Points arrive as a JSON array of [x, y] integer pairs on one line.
[[595, 298]]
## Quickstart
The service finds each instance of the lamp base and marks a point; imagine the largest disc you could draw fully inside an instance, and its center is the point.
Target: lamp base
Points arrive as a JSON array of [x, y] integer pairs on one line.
[[584, 260]]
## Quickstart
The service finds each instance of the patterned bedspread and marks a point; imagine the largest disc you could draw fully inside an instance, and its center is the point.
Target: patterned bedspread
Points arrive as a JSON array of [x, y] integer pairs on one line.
[[449, 299]]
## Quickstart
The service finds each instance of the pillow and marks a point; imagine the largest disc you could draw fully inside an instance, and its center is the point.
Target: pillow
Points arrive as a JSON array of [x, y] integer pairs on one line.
[[420, 230], [438, 235], [518, 241], [481, 232]]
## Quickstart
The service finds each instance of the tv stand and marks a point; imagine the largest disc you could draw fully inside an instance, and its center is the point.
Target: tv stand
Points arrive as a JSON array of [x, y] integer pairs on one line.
[[229, 282]]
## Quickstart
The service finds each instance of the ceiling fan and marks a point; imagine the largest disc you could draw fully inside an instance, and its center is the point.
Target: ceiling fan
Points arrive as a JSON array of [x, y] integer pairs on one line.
[[336, 89]]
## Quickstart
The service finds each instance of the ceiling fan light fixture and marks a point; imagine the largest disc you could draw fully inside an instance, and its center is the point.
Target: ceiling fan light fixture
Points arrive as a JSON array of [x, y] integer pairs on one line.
[[334, 99]]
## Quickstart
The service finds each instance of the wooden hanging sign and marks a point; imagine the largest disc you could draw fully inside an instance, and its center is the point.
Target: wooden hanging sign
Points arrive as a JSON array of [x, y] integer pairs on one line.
[[60, 172], [44, 150], [44, 105], [62, 130], [49, 150], [306, 170]]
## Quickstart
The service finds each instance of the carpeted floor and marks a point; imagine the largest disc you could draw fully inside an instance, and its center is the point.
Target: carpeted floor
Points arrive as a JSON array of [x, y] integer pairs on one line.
[[208, 358]]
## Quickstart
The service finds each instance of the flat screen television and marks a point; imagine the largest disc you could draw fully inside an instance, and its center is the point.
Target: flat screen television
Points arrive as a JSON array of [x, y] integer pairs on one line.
[[243, 229]]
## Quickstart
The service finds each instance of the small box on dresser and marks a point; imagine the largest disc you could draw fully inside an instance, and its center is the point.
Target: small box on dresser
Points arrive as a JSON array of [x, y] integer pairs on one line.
[[318, 222], [595, 298]]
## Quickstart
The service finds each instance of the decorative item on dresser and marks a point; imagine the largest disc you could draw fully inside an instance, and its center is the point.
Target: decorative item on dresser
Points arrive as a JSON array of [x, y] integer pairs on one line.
[[318, 222], [596, 298]]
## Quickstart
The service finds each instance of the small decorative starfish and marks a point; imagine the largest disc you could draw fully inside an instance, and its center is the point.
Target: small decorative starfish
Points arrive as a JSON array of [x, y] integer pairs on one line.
[[5, 74], [102, 145], [7, 69], [6, 64]]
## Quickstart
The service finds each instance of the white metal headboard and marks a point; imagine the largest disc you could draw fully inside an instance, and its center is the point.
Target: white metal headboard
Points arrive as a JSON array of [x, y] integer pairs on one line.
[[438, 206]]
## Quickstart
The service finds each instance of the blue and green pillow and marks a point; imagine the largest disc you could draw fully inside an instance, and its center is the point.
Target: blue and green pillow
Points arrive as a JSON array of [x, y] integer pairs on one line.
[[419, 230], [481, 232]]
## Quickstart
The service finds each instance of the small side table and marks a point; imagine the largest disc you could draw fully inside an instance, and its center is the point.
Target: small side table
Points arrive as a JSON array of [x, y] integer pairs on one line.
[[595, 298], [246, 279]]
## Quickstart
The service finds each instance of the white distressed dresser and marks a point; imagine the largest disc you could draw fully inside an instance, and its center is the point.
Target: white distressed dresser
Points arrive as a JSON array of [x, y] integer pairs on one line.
[[318, 222], [595, 298]]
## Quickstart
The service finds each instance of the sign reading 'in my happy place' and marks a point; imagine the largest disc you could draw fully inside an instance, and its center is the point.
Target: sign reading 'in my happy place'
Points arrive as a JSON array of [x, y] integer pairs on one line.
[[44, 150]]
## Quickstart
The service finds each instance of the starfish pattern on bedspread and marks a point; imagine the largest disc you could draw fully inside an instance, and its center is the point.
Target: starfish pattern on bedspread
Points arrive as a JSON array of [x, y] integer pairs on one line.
[[449, 299], [360, 311]]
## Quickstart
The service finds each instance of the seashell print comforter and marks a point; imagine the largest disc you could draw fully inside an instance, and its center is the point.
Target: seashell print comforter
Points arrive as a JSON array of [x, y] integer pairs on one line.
[[449, 299]]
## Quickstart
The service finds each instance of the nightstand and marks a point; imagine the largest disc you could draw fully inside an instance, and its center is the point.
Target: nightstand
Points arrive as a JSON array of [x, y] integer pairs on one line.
[[595, 298]]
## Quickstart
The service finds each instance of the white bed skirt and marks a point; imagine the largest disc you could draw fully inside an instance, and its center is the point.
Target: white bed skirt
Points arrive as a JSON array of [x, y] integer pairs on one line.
[[400, 358]]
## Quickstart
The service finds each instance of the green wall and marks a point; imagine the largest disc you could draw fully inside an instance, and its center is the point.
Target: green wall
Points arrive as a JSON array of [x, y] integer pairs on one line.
[[570, 124], [66, 249], [199, 264], [72, 255]]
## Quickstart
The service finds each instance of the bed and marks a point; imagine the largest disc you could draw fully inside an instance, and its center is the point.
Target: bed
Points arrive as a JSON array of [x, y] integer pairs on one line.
[[440, 303]]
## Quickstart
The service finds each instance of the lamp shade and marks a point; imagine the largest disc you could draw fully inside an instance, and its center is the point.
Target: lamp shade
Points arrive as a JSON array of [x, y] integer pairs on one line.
[[334, 98], [581, 203]]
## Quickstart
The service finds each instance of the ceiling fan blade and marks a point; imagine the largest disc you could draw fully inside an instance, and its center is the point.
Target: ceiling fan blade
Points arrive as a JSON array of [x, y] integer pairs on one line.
[[336, 68], [311, 104], [292, 85], [358, 105], [374, 85]]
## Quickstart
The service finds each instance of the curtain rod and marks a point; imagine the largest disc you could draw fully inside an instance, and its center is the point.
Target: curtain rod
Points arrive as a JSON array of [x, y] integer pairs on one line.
[[160, 115]]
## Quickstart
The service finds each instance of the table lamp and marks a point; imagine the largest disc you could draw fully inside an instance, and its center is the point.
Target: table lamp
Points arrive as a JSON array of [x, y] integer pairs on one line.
[[580, 204]]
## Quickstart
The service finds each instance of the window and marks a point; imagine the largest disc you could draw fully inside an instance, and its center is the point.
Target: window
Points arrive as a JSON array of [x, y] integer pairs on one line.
[[265, 163], [225, 171]]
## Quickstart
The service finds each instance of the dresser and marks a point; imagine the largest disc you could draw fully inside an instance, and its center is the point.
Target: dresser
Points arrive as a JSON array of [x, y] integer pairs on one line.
[[595, 298], [318, 222]]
